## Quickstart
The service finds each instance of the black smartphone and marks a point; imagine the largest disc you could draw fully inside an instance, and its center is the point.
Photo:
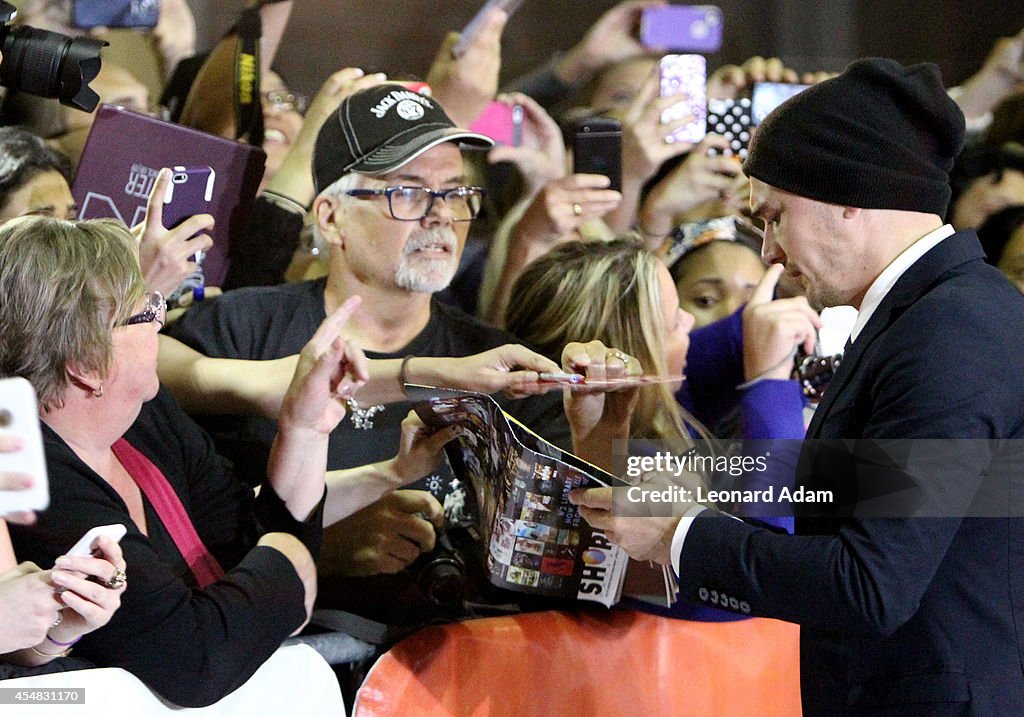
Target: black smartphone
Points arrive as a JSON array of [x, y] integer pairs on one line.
[[597, 148]]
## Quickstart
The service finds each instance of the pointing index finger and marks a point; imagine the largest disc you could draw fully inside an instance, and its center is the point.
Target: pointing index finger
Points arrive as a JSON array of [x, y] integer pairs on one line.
[[155, 203], [765, 289]]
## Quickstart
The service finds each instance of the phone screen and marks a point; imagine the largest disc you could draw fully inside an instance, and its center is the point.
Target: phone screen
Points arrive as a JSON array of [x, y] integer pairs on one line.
[[115, 13], [686, 76], [766, 96]]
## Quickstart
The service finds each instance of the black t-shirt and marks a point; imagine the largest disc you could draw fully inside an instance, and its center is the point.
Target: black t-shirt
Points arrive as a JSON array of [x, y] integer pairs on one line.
[[273, 322]]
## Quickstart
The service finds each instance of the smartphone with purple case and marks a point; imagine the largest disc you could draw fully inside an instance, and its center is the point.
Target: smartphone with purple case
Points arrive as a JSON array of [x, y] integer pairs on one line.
[[682, 28], [190, 192], [686, 76], [115, 13], [501, 122]]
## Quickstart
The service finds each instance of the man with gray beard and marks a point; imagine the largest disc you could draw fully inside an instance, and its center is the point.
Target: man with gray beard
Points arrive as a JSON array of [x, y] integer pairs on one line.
[[394, 207]]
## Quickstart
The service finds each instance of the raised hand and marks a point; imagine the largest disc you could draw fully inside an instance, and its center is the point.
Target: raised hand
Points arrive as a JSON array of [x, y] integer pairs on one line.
[[601, 415], [329, 372], [773, 329], [541, 156], [465, 84]]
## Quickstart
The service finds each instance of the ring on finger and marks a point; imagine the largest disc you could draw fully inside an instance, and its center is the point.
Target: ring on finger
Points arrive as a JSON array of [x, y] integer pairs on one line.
[[57, 621], [624, 358], [577, 209], [117, 580]]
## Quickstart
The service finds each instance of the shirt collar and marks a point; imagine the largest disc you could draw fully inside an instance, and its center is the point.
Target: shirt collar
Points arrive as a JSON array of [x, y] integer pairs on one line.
[[885, 281]]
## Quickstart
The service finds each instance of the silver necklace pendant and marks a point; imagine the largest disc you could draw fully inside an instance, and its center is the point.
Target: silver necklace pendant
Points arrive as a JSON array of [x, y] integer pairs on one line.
[[362, 418]]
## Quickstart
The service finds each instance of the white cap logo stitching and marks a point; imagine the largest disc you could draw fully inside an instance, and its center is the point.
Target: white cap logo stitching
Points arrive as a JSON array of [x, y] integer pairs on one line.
[[409, 105], [409, 110]]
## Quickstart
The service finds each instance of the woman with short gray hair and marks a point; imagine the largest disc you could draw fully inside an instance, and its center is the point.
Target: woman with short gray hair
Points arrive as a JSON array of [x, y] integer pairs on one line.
[[217, 577]]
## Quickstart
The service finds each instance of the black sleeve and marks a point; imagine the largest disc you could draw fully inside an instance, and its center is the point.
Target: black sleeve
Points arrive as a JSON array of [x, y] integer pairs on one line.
[[217, 327], [261, 254]]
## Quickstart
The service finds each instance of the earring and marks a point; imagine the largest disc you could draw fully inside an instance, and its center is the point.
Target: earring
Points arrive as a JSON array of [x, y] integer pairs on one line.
[[98, 392]]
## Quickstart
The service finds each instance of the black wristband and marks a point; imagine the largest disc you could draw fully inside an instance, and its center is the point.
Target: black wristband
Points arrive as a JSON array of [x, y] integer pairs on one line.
[[401, 372]]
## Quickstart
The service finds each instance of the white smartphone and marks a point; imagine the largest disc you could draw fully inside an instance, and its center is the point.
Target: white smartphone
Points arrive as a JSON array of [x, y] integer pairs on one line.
[[19, 416], [83, 548]]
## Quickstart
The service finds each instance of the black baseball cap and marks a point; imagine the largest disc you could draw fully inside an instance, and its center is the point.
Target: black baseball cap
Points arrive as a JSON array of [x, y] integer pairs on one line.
[[380, 129]]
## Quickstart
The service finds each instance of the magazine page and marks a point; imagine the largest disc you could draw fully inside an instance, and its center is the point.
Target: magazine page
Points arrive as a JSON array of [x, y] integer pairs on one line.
[[537, 541]]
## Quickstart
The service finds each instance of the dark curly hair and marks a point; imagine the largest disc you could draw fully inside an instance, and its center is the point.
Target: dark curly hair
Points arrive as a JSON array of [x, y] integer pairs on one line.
[[23, 156]]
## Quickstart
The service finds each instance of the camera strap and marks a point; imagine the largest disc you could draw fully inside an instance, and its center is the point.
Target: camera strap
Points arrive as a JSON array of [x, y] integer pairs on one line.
[[247, 101]]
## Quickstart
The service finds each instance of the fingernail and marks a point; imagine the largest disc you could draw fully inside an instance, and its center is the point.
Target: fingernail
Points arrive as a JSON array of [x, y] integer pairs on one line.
[[62, 562]]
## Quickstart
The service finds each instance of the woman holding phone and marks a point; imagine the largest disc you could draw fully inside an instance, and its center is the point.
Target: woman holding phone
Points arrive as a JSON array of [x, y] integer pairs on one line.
[[217, 577], [43, 613]]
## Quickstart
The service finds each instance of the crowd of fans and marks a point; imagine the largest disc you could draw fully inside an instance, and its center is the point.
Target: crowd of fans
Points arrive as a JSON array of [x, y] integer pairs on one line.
[[258, 445]]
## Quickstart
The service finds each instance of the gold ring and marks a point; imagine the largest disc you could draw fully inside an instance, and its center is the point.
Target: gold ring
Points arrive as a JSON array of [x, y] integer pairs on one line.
[[624, 358], [576, 208], [118, 579]]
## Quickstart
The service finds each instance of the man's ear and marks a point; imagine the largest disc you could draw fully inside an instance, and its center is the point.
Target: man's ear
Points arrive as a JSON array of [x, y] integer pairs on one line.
[[324, 211]]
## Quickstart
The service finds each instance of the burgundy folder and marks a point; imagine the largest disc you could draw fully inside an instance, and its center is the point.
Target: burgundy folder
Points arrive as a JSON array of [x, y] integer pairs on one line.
[[125, 151]]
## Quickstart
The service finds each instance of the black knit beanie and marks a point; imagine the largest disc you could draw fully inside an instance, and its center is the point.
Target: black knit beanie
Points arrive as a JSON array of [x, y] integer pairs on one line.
[[877, 136]]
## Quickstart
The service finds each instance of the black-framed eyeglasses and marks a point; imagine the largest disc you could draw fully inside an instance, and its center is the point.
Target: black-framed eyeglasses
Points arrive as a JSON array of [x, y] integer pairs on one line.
[[156, 310], [411, 204]]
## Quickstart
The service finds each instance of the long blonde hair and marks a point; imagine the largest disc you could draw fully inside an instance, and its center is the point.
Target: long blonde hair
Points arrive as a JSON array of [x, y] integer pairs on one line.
[[580, 291]]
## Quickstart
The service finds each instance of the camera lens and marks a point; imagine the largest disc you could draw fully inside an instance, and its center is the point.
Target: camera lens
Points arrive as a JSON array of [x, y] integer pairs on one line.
[[443, 582], [48, 64]]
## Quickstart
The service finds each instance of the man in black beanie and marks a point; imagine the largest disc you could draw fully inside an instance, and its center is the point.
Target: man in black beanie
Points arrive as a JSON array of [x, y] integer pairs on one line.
[[900, 615]]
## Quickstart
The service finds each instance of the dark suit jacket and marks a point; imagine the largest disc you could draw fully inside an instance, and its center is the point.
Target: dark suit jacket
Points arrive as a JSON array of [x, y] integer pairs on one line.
[[900, 616]]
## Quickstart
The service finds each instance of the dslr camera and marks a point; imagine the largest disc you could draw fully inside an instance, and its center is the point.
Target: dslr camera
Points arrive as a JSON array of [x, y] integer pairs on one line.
[[48, 64], [441, 573]]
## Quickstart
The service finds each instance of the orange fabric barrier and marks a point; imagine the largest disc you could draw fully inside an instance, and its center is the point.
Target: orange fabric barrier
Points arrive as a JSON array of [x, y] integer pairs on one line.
[[588, 664]]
